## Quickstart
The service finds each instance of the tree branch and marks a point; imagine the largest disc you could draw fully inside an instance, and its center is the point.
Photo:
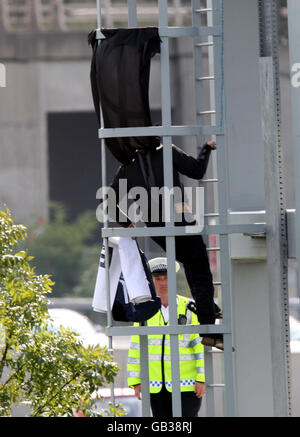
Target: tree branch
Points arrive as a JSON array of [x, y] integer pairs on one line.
[[13, 375], [54, 396], [3, 358]]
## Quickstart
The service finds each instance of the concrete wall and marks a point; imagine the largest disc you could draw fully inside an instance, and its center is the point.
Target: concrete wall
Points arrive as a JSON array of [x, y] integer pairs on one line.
[[23, 164], [44, 73], [34, 89]]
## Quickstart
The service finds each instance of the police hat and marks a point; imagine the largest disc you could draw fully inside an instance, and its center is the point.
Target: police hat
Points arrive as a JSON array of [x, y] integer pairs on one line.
[[158, 266]]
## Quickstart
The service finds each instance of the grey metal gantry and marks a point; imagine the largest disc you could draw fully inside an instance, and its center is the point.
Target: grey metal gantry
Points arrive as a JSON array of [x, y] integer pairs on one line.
[[209, 36]]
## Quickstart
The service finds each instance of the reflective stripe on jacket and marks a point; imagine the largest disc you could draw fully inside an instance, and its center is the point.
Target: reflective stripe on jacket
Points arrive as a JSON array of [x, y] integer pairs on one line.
[[191, 355]]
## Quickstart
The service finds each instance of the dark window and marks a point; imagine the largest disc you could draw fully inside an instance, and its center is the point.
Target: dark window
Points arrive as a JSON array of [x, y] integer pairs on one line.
[[75, 161]]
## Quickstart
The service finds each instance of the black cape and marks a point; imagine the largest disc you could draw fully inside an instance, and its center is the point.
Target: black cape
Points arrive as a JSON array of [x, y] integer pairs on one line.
[[120, 72]]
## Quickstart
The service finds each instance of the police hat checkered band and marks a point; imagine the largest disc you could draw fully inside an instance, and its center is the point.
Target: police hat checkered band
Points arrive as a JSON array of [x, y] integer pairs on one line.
[[160, 265], [160, 268]]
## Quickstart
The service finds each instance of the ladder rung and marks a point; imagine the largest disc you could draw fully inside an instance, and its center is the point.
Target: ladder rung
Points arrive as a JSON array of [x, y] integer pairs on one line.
[[213, 249], [203, 10], [205, 78], [206, 112], [216, 385], [204, 44], [217, 283], [205, 181], [212, 214]]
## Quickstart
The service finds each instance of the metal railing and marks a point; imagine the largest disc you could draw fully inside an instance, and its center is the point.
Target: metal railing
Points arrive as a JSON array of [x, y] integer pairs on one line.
[[68, 15]]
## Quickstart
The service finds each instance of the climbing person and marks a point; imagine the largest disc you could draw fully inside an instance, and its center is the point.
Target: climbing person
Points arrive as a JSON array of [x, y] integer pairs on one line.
[[146, 170]]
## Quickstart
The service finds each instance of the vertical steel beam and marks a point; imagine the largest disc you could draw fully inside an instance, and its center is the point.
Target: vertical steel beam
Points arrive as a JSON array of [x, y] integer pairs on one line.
[[275, 207], [132, 13], [2, 6], [198, 67], [200, 106], [243, 123], [275, 261], [109, 18], [294, 50], [144, 363], [209, 356], [168, 183], [105, 225], [209, 380]]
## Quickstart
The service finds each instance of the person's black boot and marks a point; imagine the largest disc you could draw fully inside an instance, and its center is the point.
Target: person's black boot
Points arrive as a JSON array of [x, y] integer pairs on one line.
[[216, 342]]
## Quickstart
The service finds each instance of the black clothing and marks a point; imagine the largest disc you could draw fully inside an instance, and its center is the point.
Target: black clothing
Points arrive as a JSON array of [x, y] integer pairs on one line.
[[182, 163], [190, 250], [153, 161], [161, 404], [120, 71]]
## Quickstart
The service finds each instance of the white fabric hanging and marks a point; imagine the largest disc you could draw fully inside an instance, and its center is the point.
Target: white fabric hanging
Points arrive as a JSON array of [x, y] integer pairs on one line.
[[124, 257]]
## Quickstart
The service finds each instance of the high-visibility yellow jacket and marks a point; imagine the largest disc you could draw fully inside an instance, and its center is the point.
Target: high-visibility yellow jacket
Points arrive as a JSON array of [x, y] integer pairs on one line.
[[191, 355]]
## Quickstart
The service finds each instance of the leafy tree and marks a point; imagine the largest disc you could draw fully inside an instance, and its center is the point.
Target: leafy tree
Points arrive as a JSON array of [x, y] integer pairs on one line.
[[51, 371], [66, 250]]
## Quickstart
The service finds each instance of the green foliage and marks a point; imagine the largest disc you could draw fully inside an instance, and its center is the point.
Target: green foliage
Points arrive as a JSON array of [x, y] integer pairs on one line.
[[66, 251], [52, 372], [88, 268]]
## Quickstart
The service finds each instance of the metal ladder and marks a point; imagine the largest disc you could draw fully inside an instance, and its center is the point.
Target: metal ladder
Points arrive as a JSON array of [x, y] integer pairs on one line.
[[213, 11], [214, 31]]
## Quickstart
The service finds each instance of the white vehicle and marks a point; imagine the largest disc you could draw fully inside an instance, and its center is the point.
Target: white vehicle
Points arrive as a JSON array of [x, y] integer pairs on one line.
[[78, 323], [294, 335]]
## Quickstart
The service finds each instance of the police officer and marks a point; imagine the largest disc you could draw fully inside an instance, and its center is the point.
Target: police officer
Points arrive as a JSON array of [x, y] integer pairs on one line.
[[191, 355]]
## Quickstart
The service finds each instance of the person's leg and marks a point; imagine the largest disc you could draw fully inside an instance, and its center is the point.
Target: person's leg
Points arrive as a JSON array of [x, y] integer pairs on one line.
[[190, 404], [200, 280], [191, 252], [161, 403]]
